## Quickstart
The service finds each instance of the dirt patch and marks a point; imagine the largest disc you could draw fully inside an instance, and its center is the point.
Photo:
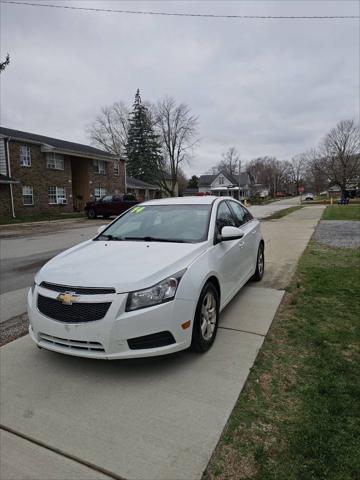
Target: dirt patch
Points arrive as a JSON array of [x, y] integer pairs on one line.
[[14, 328]]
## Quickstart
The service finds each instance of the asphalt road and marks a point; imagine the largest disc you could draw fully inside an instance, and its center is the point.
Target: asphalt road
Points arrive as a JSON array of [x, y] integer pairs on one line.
[[24, 255]]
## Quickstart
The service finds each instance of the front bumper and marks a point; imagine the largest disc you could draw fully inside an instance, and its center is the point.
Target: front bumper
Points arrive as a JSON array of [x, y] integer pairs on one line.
[[108, 338]]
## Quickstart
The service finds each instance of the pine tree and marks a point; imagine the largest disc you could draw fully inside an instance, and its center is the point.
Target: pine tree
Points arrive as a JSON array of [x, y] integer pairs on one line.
[[143, 149]]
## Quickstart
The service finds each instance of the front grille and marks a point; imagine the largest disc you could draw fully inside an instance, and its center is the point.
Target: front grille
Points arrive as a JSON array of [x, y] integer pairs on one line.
[[71, 344], [160, 339], [77, 290], [75, 313]]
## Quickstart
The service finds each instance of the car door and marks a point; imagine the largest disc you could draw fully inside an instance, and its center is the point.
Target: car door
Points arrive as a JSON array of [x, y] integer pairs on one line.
[[228, 254], [244, 220], [105, 206], [116, 207]]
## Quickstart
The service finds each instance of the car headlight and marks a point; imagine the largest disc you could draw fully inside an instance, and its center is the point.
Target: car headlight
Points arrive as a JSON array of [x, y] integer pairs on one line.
[[162, 292]]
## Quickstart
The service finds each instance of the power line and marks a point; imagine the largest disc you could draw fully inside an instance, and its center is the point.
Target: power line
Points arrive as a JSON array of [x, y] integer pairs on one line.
[[201, 15]]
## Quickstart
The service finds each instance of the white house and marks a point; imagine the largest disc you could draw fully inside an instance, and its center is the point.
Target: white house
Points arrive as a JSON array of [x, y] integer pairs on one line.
[[219, 184]]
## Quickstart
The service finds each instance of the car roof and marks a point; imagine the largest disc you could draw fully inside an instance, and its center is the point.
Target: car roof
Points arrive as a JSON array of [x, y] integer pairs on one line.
[[195, 200]]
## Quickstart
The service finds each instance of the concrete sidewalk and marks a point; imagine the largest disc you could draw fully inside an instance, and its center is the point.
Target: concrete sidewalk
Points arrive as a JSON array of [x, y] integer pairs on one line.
[[157, 418], [285, 241]]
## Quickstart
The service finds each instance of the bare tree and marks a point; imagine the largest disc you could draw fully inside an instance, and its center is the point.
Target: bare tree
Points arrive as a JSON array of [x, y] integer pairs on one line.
[[270, 172], [315, 177], [229, 162], [177, 130], [182, 182], [110, 129], [297, 170], [5, 63], [339, 154]]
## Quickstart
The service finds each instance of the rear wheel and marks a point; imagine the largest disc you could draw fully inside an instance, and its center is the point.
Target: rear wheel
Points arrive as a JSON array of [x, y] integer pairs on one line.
[[91, 213], [206, 319], [260, 264]]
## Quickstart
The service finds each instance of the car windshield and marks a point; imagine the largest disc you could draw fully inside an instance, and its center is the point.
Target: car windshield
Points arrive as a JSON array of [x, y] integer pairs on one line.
[[162, 223]]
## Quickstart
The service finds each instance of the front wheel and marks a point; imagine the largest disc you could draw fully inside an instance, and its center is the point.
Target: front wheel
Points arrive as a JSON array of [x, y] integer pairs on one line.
[[260, 264], [206, 319], [91, 213]]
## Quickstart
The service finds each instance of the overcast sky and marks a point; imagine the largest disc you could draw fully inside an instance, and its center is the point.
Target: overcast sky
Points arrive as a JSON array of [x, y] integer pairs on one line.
[[267, 87]]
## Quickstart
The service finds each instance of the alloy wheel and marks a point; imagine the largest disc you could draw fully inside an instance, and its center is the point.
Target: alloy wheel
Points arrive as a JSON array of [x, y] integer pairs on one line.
[[208, 316], [261, 262]]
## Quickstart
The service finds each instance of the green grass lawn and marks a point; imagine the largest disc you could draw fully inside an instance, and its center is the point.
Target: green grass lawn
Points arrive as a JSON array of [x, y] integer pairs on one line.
[[283, 213], [298, 417], [342, 212], [40, 218]]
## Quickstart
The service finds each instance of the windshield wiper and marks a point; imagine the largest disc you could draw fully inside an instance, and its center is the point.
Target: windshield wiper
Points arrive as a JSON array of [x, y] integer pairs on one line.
[[110, 237], [154, 239]]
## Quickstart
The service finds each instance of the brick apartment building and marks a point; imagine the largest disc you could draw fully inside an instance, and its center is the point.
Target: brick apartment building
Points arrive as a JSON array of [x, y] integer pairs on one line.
[[45, 175]]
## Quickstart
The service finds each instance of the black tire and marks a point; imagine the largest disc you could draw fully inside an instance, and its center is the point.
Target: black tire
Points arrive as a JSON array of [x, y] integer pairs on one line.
[[260, 264], [203, 338], [91, 213]]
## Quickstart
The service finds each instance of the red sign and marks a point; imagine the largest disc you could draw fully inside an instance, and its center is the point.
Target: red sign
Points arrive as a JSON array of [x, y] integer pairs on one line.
[[301, 189]]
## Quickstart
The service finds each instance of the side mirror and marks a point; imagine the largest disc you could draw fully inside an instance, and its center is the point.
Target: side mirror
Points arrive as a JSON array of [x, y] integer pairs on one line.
[[101, 229], [231, 233]]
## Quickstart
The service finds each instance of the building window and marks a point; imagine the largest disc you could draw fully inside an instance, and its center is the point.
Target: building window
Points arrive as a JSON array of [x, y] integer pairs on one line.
[[221, 180], [25, 156], [99, 192], [116, 167], [55, 161], [27, 194], [57, 196], [99, 166]]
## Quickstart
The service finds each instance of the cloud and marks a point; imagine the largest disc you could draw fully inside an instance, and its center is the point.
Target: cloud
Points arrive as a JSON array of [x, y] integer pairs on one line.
[[268, 87]]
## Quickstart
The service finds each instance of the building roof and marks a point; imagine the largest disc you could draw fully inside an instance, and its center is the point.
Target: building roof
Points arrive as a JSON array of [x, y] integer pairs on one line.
[[57, 144], [132, 182], [207, 180]]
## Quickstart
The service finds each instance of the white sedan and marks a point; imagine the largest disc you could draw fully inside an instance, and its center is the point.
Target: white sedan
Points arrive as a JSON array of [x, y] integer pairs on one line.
[[152, 282]]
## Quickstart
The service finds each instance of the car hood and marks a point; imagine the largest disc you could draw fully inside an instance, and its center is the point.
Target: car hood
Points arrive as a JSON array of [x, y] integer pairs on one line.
[[126, 266]]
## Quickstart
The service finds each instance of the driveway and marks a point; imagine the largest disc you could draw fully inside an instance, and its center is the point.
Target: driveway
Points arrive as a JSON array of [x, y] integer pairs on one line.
[[157, 418]]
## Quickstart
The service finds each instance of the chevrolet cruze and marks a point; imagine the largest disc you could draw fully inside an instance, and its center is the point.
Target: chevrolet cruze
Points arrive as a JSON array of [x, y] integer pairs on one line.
[[151, 282]]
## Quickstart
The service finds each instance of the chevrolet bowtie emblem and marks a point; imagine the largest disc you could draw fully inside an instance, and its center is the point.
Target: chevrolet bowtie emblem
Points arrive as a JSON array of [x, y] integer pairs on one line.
[[67, 298]]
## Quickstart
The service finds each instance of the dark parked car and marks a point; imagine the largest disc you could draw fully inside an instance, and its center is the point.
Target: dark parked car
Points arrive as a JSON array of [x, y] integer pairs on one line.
[[110, 205]]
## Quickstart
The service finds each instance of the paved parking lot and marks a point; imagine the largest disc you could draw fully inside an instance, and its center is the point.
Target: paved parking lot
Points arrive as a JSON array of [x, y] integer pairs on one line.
[[149, 418]]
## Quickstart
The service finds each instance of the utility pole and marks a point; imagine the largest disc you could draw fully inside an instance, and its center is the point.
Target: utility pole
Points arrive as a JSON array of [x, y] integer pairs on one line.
[[239, 177]]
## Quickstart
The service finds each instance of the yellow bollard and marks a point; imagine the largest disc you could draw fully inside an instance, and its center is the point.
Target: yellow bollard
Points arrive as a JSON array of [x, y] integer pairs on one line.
[[331, 200], [245, 202]]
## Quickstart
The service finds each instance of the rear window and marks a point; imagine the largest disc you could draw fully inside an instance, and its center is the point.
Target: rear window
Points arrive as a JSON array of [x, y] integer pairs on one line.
[[128, 197]]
